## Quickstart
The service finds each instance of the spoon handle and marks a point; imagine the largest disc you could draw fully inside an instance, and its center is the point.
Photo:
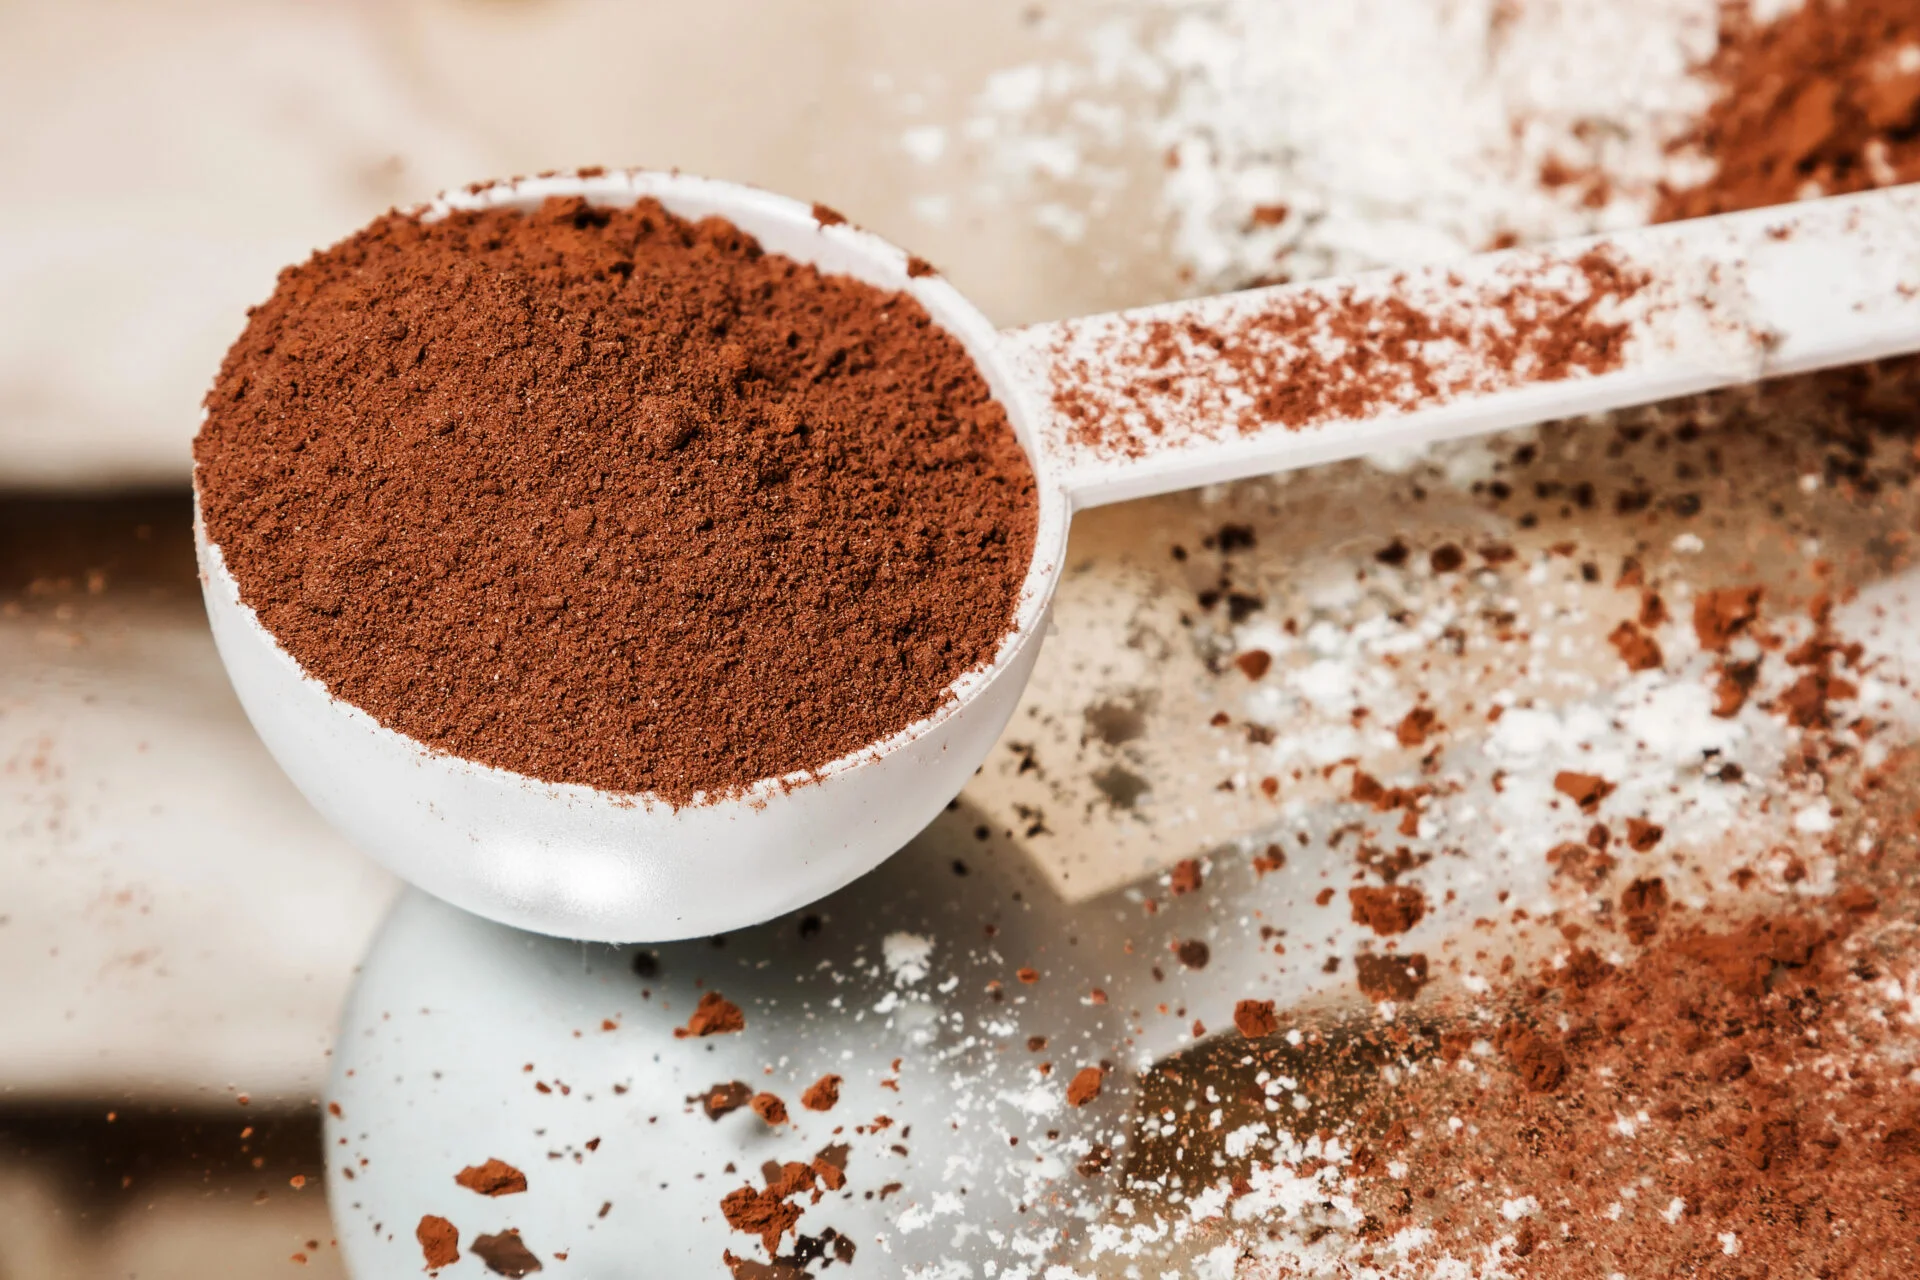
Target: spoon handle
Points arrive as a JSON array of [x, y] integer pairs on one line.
[[1190, 393]]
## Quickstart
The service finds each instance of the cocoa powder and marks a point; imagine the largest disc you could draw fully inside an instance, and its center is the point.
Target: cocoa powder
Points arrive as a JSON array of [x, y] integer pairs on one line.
[[439, 1241], [769, 1107], [1819, 101], [1390, 977], [823, 1094], [1745, 1121], [1255, 1019], [768, 1213], [715, 1015], [494, 1178], [1085, 1086], [1300, 359], [605, 496], [1387, 911]]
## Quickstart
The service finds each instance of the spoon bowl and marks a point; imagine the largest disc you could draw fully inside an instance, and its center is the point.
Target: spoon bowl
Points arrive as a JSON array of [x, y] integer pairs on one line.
[[580, 862]]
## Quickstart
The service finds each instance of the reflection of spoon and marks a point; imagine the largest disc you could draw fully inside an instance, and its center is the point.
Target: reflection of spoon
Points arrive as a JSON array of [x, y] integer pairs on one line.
[[1724, 300], [909, 976]]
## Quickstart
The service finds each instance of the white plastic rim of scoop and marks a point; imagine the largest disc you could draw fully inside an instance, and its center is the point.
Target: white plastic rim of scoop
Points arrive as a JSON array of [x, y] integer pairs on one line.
[[1730, 299]]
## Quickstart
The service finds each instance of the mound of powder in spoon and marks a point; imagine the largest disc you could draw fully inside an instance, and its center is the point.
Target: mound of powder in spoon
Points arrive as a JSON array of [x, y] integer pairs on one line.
[[610, 497]]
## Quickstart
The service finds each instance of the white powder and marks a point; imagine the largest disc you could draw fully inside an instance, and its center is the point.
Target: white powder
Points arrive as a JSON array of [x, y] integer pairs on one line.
[[1516, 1209], [1390, 132], [906, 956]]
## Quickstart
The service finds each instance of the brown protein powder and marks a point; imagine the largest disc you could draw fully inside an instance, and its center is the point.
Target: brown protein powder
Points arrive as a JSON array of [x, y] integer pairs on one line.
[[1819, 99], [609, 497]]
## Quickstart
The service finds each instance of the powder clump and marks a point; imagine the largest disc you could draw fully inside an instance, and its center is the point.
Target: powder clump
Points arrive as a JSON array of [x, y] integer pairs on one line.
[[439, 1241], [823, 1094], [715, 1015], [1824, 99], [1387, 911], [609, 497]]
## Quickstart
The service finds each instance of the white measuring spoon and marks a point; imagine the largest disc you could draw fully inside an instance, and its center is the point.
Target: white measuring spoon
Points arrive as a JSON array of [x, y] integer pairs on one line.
[[1165, 403]]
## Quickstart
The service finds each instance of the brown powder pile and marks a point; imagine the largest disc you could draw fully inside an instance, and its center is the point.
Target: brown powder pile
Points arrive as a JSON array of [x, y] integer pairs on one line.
[[823, 1094], [439, 1241], [1390, 977], [1693, 1064], [1820, 101], [1305, 358], [608, 497], [715, 1015], [1255, 1019], [1387, 911], [494, 1178], [769, 1212], [1717, 1102], [1085, 1086]]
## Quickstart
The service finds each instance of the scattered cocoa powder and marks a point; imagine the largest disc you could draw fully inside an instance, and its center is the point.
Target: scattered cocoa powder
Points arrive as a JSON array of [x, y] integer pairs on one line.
[[1390, 977], [1394, 909], [822, 1094], [1719, 616], [1706, 1068], [715, 1015], [506, 1254], [767, 1212], [1185, 877], [1536, 1059], [439, 1241], [608, 497], [1095, 1162], [830, 1165], [494, 1178], [1582, 863], [1708, 1073], [1193, 953], [1804, 702], [724, 1099], [1254, 663], [1584, 789], [769, 1108], [1733, 685], [1417, 726], [1641, 905], [1640, 651], [1085, 1086], [1255, 1018]]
